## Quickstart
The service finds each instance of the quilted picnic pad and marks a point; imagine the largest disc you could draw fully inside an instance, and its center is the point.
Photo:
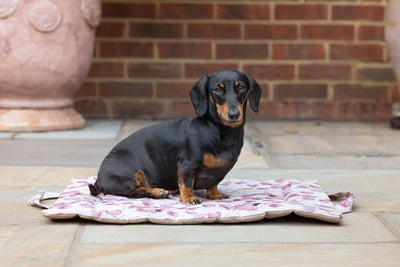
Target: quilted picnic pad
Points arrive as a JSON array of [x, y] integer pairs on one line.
[[248, 201]]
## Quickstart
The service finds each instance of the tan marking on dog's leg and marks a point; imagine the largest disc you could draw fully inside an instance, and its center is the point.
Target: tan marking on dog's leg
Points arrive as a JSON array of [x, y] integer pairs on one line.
[[214, 194], [142, 180], [187, 193], [145, 188], [156, 193]]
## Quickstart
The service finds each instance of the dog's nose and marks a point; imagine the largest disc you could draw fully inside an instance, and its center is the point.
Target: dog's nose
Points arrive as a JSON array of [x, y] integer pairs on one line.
[[233, 114]]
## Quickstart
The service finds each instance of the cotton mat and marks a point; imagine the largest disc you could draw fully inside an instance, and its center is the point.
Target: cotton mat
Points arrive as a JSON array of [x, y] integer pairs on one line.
[[248, 201]]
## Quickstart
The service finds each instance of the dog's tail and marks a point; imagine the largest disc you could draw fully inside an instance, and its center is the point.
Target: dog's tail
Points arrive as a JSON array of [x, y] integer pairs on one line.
[[95, 189]]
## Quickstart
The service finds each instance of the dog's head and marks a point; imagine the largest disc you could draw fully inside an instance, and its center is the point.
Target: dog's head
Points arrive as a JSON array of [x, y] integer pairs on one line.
[[224, 94]]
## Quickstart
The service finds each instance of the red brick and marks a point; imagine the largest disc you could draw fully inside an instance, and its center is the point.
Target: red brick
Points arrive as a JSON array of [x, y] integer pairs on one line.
[[308, 111], [351, 91], [395, 93], [87, 89], [91, 108], [327, 32], [125, 89], [173, 89], [266, 110], [242, 51], [186, 11], [361, 52], [365, 111], [126, 49], [194, 70], [271, 71], [156, 30], [300, 12], [154, 70], [383, 74], [243, 11], [361, 12], [298, 51], [107, 70], [300, 91], [325, 71], [184, 50], [213, 31], [129, 10], [271, 32], [371, 33], [265, 89], [111, 29], [180, 110], [132, 109]]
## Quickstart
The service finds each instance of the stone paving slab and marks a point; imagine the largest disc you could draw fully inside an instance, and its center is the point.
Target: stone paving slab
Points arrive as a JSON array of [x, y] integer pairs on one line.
[[332, 144], [250, 254], [392, 220], [93, 130], [321, 161], [53, 152], [314, 127], [35, 245], [355, 228], [327, 144], [27, 176], [4, 135]]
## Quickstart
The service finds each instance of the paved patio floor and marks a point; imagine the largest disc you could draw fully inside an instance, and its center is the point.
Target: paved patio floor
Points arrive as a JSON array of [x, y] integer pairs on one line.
[[362, 157]]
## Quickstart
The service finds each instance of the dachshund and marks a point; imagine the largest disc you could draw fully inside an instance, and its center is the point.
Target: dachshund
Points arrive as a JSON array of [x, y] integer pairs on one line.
[[185, 154]]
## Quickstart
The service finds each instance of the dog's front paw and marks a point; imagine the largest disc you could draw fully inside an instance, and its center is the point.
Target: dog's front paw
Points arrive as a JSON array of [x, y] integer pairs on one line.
[[214, 194], [191, 200], [217, 195]]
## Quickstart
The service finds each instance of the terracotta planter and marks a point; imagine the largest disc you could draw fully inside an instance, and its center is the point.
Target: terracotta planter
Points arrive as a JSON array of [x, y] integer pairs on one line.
[[392, 37], [46, 49]]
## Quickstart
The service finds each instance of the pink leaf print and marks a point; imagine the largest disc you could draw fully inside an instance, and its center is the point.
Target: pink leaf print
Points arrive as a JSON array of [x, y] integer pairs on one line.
[[309, 208], [275, 205], [286, 187], [214, 215], [173, 214], [85, 205], [346, 203], [248, 208], [114, 212], [96, 214]]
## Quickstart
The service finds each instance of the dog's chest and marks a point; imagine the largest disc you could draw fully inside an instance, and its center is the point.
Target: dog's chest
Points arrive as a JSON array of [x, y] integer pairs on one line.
[[214, 168]]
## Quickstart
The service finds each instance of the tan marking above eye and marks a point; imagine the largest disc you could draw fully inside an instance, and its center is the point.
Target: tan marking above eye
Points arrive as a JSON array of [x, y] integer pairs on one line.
[[222, 85], [236, 83]]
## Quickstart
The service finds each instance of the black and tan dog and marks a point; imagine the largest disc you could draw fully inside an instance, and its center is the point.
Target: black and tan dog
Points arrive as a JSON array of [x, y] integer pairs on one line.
[[184, 154]]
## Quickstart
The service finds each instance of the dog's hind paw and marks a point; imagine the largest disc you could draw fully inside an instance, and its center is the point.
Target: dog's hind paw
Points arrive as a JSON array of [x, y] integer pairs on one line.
[[161, 193]]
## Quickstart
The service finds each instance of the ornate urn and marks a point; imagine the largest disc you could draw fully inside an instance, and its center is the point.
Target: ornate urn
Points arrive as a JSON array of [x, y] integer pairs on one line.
[[392, 37], [46, 48]]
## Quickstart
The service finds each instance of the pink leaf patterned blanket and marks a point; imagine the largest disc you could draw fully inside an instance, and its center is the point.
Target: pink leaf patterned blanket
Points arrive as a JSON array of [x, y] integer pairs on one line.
[[248, 201]]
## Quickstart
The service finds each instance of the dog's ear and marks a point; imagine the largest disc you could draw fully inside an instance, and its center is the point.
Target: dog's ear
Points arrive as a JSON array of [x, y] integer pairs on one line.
[[254, 92], [198, 95]]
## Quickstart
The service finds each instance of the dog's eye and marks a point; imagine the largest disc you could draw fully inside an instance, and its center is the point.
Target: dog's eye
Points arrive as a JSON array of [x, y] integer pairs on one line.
[[241, 89], [218, 90]]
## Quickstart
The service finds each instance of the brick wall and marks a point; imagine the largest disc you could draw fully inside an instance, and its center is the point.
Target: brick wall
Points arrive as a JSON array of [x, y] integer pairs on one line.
[[313, 59]]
